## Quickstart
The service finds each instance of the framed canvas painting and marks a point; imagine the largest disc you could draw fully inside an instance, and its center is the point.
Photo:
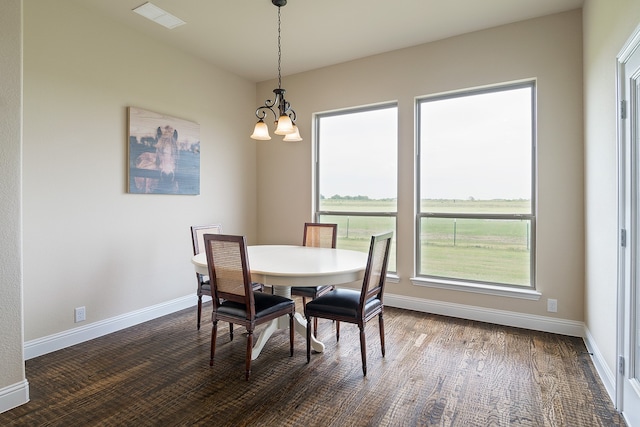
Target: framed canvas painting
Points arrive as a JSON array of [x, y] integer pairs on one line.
[[164, 154]]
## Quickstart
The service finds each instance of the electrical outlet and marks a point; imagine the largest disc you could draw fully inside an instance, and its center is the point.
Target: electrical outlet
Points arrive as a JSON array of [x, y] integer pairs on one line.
[[80, 314], [552, 305]]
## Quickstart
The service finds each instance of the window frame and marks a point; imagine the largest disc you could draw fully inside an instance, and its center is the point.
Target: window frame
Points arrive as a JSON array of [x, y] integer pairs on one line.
[[317, 213], [495, 288]]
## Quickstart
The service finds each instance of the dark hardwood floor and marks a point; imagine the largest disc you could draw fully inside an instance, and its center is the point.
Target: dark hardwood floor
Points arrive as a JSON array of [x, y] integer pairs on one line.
[[438, 371]]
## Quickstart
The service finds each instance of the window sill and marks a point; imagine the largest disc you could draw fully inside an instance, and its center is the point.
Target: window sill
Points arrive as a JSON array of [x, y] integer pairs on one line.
[[393, 278], [503, 291]]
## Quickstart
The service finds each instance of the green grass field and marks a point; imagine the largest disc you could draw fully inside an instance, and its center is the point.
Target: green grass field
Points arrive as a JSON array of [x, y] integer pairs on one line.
[[482, 250]]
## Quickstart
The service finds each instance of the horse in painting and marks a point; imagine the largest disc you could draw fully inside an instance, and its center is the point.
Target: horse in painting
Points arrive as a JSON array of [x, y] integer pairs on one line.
[[163, 160]]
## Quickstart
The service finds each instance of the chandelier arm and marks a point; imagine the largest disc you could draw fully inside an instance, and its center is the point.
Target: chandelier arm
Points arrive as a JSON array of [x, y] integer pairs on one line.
[[261, 114], [269, 104]]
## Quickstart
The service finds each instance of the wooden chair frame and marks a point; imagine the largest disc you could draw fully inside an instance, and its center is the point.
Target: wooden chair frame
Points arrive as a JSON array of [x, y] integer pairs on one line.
[[307, 240], [238, 304], [370, 303], [197, 240]]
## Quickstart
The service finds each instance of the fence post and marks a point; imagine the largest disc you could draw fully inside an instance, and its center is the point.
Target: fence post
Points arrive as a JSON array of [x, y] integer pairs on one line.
[[455, 226], [348, 227]]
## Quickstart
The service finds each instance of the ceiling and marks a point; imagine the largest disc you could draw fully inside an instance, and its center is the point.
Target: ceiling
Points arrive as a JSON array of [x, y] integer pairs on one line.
[[241, 35]]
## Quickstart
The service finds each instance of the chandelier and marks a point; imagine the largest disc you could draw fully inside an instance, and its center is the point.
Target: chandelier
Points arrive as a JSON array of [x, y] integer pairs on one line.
[[285, 118]]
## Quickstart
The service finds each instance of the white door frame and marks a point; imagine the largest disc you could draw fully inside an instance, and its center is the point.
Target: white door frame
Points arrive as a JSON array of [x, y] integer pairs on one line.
[[628, 124]]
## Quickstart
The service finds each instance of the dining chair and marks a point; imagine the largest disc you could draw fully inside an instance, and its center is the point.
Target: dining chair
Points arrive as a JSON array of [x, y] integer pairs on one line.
[[204, 287], [358, 307], [320, 236], [234, 298]]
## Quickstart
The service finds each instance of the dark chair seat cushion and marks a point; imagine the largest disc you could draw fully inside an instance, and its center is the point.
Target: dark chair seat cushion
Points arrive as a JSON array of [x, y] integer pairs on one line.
[[308, 291], [340, 302], [265, 304], [206, 287]]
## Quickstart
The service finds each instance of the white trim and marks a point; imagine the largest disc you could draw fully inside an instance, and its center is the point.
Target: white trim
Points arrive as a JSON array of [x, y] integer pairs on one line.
[[627, 172], [392, 278], [14, 395], [478, 288], [608, 378], [498, 317], [44, 345]]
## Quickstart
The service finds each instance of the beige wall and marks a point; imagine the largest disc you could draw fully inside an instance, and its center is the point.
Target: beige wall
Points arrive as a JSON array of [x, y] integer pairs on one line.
[[607, 26], [86, 241], [12, 371], [548, 49]]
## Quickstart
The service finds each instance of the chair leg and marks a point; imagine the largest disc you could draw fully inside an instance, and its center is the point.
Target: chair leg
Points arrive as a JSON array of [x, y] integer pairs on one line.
[[315, 327], [308, 339], [214, 334], [337, 331], [382, 334], [291, 337], [363, 350], [247, 360], [199, 309], [230, 331]]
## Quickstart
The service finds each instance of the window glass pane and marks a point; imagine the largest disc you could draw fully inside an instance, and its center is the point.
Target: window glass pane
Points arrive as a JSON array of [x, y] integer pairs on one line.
[[476, 186], [354, 232], [476, 249], [356, 175], [477, 147], [357, 159]]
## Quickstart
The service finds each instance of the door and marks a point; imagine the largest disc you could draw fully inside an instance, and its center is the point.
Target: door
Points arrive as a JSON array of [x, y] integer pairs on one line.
[[628, 375]]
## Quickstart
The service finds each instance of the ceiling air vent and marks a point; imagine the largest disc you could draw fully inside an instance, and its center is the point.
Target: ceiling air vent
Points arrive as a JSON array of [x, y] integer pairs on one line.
[[157, 15]]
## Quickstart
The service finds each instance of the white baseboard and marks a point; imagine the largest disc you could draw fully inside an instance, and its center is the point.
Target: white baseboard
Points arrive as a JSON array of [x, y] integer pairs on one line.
[[40, 346], [498, 317], [607, 377], [14, 395]]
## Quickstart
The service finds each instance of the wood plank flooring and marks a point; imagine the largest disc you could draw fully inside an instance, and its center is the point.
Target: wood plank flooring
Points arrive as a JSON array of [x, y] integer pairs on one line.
[[438, 371]]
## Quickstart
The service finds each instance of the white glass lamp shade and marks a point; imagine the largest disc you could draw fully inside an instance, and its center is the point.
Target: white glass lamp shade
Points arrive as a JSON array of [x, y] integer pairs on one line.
[[285, 126], [261, 131], [293, 137]]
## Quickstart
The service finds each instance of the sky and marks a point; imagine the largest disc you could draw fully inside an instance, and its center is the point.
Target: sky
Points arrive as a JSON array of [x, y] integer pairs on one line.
[[477, 147], [358, 154], [471, 147]]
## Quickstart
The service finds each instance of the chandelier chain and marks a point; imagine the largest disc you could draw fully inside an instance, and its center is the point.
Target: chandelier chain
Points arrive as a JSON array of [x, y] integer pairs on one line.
[[279, 52]]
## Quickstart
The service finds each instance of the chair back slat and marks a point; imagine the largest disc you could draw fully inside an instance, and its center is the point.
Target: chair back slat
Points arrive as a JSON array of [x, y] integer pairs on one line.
[[198, 232], [229, 275], [229, 269], [376, 271], [320, 235]]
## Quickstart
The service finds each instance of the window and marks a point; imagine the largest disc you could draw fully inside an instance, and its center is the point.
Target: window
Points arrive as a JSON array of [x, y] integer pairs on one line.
[[476, 178], [356, 174]]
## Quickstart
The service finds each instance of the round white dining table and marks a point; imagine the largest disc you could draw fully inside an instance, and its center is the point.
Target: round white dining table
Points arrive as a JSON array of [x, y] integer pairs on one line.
[[284, 266]]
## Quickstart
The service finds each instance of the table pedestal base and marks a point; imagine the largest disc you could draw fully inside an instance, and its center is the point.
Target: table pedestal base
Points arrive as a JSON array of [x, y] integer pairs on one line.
[[299, 325]]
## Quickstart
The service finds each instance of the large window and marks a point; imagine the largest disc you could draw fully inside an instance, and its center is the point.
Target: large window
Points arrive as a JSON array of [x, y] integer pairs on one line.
[[356, 174], [476, 178]]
